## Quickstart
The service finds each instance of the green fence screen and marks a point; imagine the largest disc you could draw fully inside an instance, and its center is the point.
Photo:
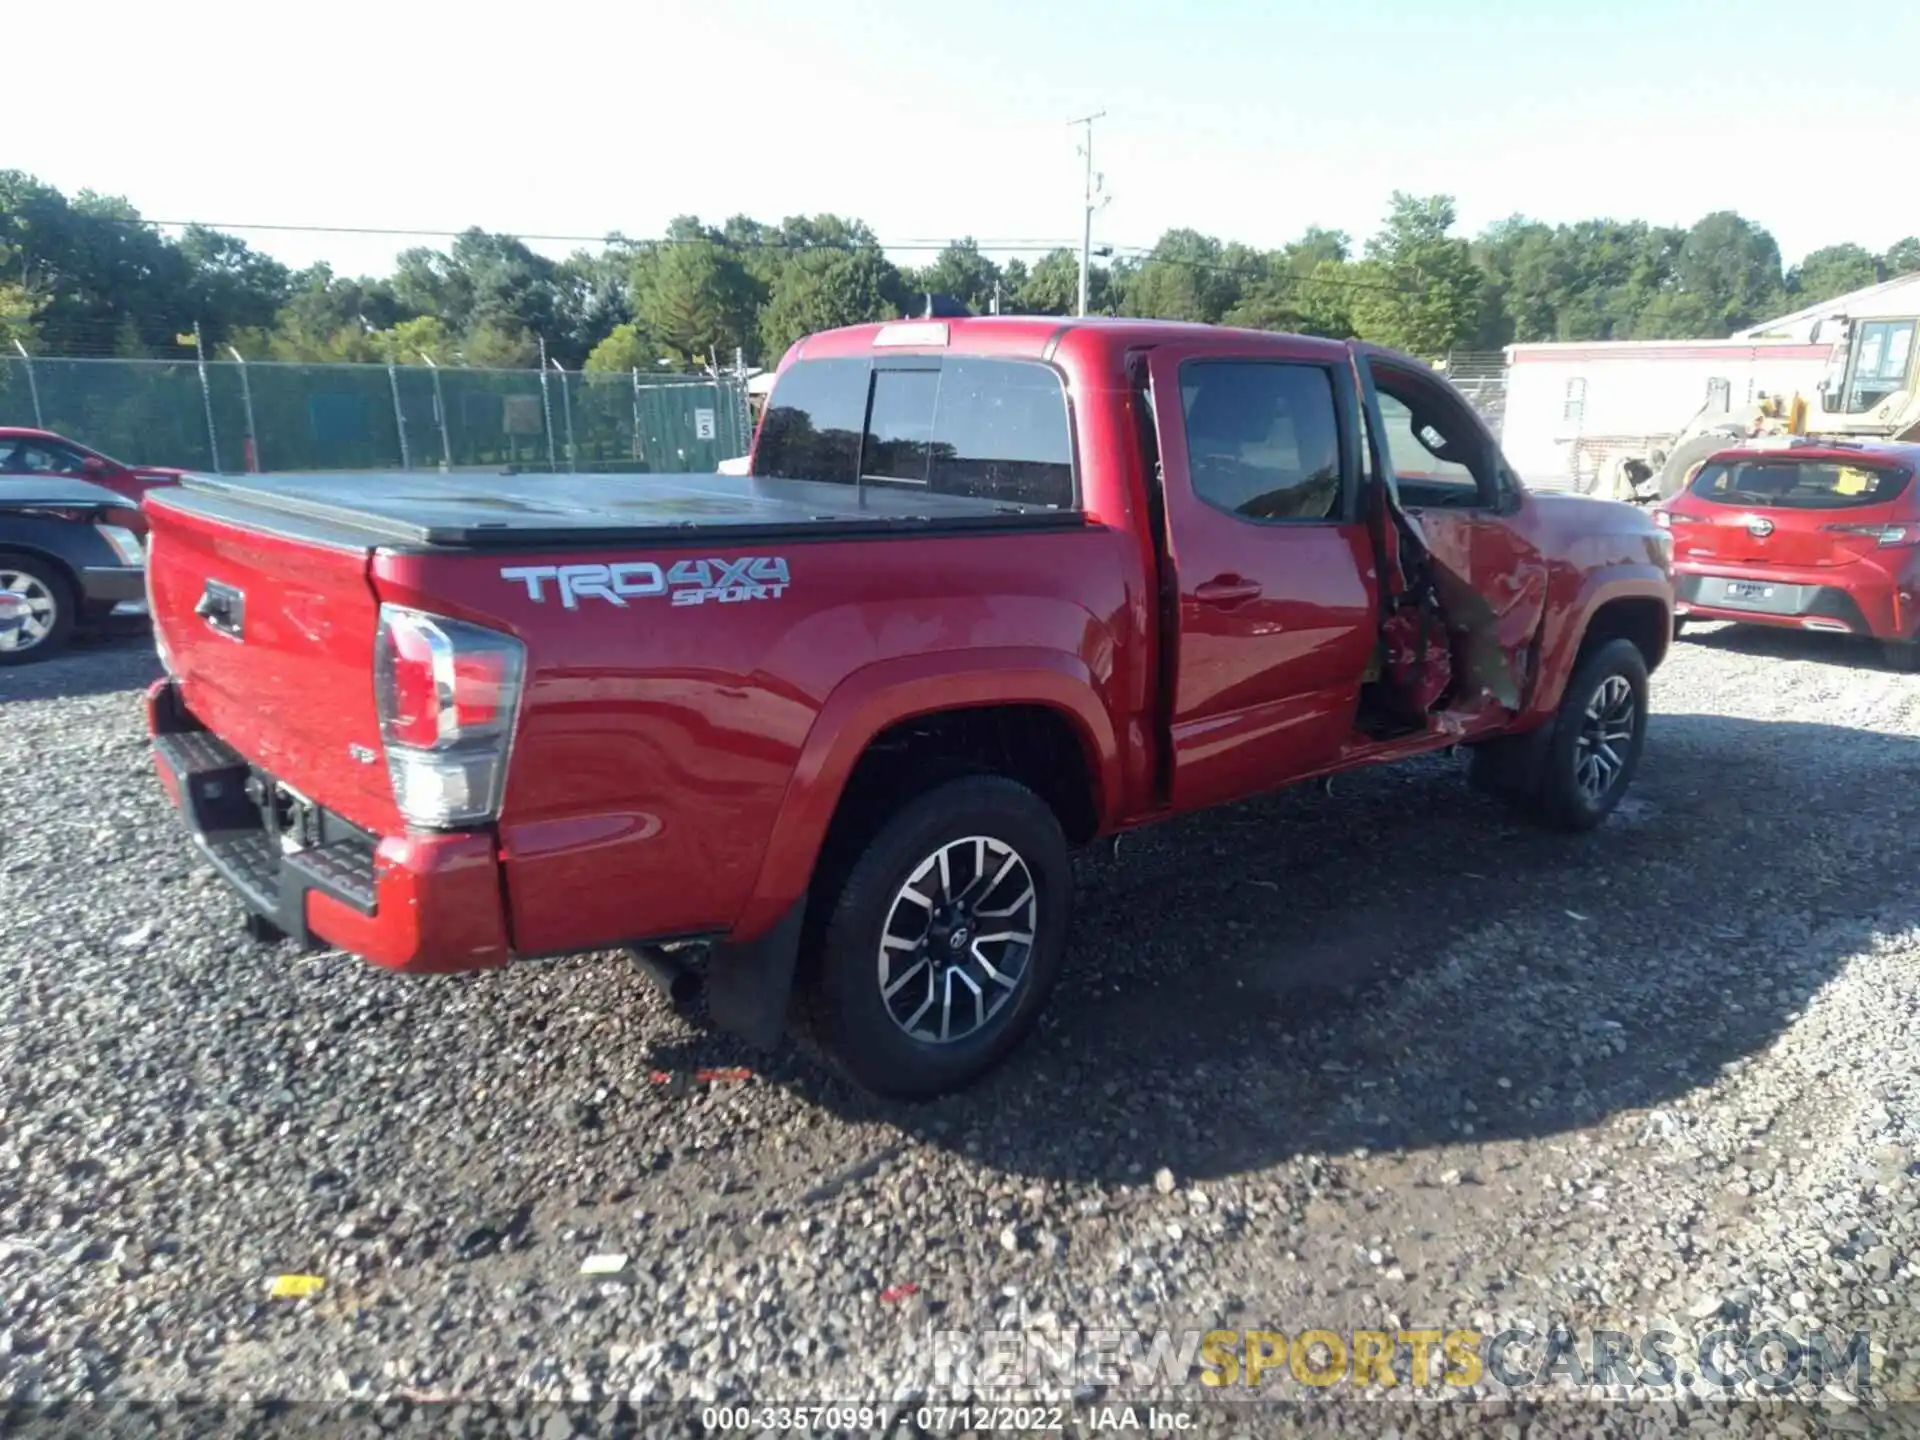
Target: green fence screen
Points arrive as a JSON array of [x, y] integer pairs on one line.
[[275, 416]]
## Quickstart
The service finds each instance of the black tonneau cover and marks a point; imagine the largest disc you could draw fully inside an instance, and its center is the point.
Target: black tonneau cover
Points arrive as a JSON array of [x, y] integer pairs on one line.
[[483, 509]]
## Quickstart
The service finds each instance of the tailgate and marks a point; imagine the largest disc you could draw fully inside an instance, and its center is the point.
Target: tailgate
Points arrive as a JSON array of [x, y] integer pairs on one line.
[[271, 638]]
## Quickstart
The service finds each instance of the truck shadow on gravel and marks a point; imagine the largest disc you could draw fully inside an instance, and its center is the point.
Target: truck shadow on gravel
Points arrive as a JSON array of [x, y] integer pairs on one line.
[[1401, 965], [111, 662]]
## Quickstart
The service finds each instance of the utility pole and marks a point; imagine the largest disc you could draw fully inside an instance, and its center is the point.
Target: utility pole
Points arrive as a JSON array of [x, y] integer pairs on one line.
[[1094, 184]]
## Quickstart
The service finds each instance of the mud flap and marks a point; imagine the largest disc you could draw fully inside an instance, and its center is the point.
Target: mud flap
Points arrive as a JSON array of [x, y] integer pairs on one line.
[[749, 986]]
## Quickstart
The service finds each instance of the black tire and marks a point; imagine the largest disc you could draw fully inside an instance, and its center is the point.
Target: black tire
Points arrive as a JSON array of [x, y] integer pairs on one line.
[[1679, 625], [1554, 796], [53, 581], [1901, 655], [1686, 455], [1499, 767], [844, 1008]]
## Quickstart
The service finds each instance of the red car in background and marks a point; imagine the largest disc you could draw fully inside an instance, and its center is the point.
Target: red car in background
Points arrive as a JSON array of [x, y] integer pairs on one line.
[[41, 452], [1805, 533]]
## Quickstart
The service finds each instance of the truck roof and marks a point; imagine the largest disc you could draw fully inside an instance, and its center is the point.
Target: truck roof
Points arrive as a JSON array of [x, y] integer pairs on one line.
[[1038, 336]]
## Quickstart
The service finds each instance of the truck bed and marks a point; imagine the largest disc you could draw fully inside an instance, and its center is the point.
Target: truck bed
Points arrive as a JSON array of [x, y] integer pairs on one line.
[[488, 511]]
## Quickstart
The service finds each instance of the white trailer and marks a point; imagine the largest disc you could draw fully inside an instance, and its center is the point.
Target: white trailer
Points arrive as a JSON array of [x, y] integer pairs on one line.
[[1575, 411]]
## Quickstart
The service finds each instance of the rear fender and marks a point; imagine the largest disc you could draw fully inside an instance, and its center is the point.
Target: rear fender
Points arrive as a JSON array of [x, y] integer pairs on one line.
[[883, 694], [750, 972]]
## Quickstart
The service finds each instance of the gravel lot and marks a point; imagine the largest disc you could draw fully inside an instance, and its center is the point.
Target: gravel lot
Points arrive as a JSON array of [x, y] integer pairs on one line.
[[1380, 1058]]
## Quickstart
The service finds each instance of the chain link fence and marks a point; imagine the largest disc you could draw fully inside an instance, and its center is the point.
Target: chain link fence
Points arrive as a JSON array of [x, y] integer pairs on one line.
[[1481, 376], [230, 416]]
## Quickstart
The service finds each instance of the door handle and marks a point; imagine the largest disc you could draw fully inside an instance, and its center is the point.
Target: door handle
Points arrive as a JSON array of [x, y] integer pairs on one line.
[[1226, 590]]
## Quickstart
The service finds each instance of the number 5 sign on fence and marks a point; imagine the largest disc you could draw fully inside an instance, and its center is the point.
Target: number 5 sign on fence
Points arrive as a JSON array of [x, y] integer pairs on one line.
[[703, 425]]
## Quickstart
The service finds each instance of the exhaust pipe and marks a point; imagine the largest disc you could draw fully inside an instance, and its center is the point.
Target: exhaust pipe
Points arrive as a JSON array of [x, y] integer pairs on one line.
[[677, 980]]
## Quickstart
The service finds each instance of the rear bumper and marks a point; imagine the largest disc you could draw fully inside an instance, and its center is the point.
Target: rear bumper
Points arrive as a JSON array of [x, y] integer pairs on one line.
[[1796, 599], [424, 903]]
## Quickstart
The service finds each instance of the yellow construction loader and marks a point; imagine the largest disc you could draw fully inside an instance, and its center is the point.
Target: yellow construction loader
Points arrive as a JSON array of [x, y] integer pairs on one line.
[[1869, 391]]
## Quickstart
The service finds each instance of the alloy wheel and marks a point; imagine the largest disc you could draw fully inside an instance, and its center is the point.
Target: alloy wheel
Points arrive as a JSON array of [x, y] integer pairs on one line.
[[1606, 734], [35, 606], [958, 940]]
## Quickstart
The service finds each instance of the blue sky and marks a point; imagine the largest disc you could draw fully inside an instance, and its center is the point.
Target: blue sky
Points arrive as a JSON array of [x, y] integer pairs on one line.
[[1242, 119]]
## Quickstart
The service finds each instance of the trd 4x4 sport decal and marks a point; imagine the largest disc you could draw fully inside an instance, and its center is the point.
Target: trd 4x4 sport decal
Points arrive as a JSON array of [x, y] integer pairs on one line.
[[689, 582]]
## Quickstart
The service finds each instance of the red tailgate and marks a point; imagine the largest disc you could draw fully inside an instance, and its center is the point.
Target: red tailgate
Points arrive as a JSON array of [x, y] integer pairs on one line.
[[272, 642]]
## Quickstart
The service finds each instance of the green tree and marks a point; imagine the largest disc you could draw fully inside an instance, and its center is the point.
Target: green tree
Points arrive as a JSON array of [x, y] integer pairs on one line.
[[1834, 270], [327, 318], [822, 289], [499, 345], [231, 286], [627, 347], [408, 340], [1729, 270], [1903, 258], [1187, 276], [1418, 289], [1052, 287], [1294, 288], [963, 273], [696, 299], [16, 318]]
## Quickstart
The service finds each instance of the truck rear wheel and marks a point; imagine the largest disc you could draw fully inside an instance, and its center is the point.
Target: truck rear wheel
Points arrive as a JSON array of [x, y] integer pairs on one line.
[[945, 940]]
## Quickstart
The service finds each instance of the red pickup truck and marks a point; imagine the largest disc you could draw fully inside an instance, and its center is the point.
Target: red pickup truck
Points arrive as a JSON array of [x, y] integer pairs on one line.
[[819, 737]]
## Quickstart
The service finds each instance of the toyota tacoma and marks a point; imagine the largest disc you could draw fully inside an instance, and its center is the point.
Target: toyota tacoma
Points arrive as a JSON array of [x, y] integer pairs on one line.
[[820, 737]]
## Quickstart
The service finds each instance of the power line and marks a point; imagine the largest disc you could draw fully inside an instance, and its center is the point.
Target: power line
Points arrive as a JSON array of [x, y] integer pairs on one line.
[[1146, 253]]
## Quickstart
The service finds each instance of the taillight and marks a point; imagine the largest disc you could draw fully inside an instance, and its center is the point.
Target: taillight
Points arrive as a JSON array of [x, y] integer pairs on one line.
[[1883, 535], [447, 694]]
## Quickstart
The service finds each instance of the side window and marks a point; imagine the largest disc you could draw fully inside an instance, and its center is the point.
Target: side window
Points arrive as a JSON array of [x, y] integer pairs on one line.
[[1263, 438], [34, 457], [1573, 409], [1434, 450], [811, 430]]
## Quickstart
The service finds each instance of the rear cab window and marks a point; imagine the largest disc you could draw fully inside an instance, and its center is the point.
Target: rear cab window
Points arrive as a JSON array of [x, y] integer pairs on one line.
[[1798, 484], [992, 429]]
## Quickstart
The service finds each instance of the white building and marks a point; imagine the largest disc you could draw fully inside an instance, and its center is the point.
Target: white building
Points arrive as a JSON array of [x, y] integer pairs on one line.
[[1897, 299], [1572, 409]]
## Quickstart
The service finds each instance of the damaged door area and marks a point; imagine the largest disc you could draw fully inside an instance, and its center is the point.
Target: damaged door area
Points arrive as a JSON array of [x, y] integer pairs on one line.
[[1463, 592]]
